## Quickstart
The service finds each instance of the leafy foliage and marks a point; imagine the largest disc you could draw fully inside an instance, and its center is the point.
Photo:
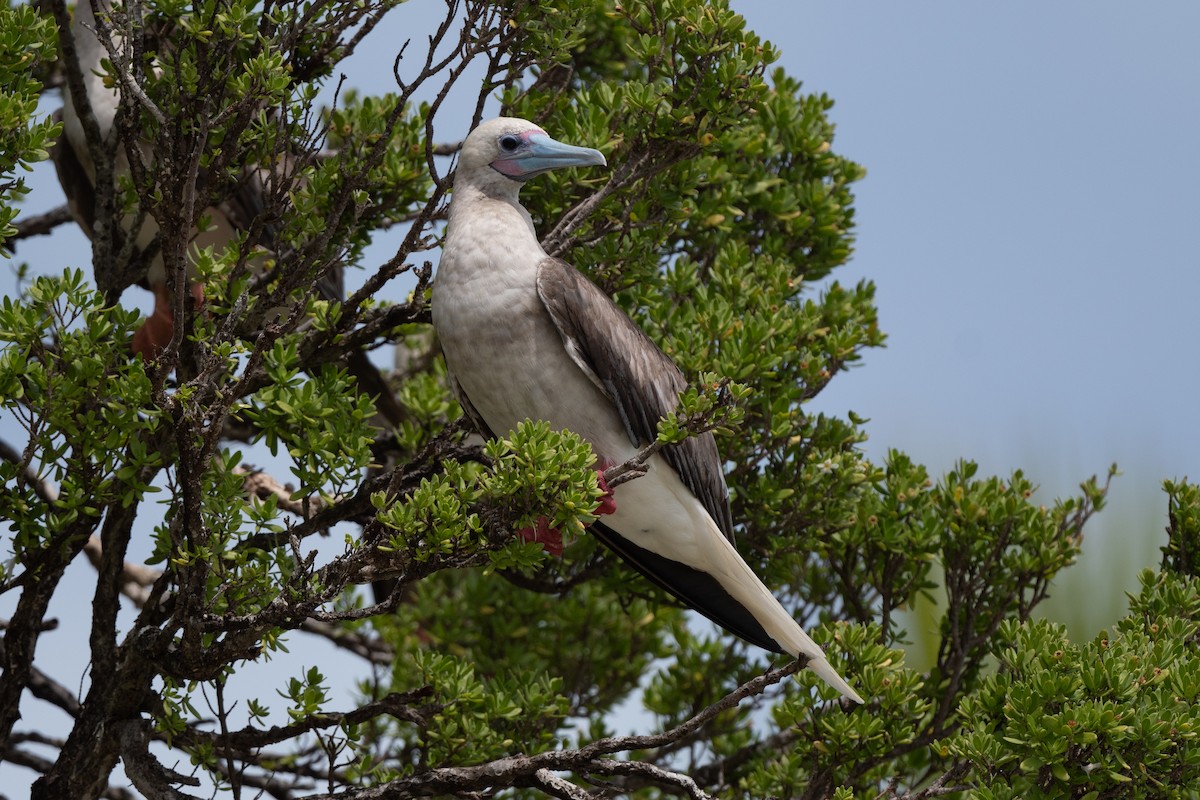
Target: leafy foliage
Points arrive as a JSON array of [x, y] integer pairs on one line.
[[27, 41], [489, 665], [1115, 716]]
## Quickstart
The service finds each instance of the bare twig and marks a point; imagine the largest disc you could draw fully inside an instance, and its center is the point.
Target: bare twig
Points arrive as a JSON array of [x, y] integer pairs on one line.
[[944, 785], [261, 486], [401, 706], [40, 224], [635, 467]]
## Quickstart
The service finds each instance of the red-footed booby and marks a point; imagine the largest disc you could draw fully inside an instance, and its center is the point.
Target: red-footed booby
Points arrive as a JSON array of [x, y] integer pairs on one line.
[[526, 336], [235, 213]]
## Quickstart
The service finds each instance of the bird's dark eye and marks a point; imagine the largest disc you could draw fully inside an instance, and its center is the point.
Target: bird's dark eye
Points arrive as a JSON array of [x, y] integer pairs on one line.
[[509, 142]]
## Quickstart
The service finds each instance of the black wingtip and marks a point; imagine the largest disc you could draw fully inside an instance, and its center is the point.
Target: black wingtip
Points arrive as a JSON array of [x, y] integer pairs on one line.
[[697, 589]]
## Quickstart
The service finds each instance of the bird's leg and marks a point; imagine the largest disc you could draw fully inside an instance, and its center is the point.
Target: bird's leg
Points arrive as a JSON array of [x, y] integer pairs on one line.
[[608, 503], [550, 538], [159, 328]]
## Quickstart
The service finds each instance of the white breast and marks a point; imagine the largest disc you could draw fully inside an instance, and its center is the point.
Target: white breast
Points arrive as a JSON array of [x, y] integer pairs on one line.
[[498, 339]]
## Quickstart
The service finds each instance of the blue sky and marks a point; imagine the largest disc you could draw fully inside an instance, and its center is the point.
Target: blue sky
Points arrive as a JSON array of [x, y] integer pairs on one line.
[[1030, 219], [1029, 216]]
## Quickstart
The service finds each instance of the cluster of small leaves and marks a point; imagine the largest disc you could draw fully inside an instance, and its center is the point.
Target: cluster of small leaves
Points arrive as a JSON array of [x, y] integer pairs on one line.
[[1116, 716], [83, 404], [716, 406], [539, 471], [175, 709], [478, 718], [27, 40], [535, 472], [1181, 555], [893, 542], [324, 424]]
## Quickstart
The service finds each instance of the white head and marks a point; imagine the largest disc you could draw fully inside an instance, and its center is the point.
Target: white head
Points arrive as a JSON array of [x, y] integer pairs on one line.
[[501, 154]]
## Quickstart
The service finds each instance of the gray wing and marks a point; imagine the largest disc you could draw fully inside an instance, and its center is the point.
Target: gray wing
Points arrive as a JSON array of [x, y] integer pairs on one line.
[[641, 380]]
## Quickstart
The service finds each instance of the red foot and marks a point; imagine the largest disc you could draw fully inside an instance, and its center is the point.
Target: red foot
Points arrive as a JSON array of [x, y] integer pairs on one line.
[[159, 328], [608, 503], [551, 538]]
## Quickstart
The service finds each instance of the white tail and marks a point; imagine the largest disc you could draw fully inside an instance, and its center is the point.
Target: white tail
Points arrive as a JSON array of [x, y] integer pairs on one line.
[[741, 582], [830, 676]]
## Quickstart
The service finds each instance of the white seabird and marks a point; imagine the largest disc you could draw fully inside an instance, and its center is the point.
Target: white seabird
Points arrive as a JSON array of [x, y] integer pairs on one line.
[[526, 336]]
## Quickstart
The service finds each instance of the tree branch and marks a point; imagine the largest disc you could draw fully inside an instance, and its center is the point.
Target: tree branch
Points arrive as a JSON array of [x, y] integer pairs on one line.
[[523, 770], [561, 788], [655, 774], [397, 705], [148, 776], [39, 224]]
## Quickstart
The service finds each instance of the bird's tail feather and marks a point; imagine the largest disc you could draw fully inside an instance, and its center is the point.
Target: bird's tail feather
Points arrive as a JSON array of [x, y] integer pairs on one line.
[[728, 592], [778, 623], [799, 644], [828, 674]]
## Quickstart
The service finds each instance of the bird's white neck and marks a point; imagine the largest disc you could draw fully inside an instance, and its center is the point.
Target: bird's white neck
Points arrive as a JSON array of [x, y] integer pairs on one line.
[[500, 212]]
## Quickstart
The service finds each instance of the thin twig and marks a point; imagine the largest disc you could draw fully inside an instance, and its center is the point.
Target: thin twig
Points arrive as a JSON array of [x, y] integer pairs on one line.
[[635, 467], [39, 224], [372, 649]]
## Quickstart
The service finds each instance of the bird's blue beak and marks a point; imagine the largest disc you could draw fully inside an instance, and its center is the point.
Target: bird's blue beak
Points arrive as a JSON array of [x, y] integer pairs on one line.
[[539, 153]]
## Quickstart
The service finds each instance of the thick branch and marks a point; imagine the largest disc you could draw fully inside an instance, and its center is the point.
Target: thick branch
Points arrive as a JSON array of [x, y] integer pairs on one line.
[[655, 774], [150, 778], [561, 788]]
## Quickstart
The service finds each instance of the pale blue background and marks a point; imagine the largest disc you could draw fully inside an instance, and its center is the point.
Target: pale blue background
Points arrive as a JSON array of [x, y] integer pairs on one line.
[[1029, 217]]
